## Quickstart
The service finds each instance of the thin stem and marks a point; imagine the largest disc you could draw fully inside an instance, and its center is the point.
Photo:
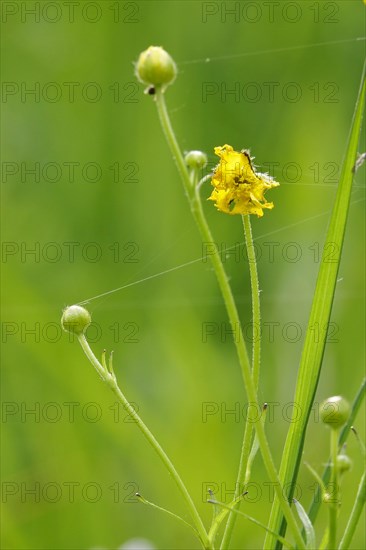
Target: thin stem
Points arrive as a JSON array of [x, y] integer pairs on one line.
[[173, 143], [245, 451], [256, 308], [333, 505], [317, 498], [256, 357], [111, 381], [355, 514], [251, 391]]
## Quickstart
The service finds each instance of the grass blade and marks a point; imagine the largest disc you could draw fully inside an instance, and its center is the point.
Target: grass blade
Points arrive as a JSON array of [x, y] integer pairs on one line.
[[168, 512], [355, 515], [308, 526], [230, 508], [313, 351]]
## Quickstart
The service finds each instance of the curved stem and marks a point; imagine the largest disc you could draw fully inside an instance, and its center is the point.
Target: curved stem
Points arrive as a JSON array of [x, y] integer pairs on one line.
[[111, 381], [206, 235], [256, 357]]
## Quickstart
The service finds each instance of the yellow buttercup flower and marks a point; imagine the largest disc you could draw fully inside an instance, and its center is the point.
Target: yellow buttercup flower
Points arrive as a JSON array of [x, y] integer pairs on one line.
[[238, 189]]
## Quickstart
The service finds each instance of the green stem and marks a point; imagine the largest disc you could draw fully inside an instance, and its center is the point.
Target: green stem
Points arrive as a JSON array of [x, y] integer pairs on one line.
[[251, 391], [355, 515], [256, 357], [245, 451], [333, 505], [111, 381], [317, 498], [256, 308]]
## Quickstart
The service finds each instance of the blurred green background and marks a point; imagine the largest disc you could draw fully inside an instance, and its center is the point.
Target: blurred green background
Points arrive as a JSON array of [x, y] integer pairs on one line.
[[104, 207]]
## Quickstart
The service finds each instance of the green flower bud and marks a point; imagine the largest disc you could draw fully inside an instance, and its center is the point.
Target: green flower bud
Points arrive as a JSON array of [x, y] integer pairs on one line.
[[75, 319], [335, 411], [344, 463], [195, 159], [155, 67]]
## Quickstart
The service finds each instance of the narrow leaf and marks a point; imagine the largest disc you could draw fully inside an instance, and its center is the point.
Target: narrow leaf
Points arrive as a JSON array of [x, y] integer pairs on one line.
[[355, 514], [255, 447], [229, 508], [308, 526], [360, 442], [317, 477], [313, 351], [220, 516], [144, 501]]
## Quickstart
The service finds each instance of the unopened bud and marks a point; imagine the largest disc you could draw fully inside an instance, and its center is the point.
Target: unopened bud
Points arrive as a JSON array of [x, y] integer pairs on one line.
[[195, 159], [344, 463], [155, 68], [75, 319], [335, 411]]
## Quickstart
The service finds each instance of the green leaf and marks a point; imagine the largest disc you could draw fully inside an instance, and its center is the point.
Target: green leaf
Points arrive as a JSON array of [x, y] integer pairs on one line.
[[230, 508], [147, 502], [255, 448], [308, 526], [355, 514], [220, 516], [313, 351], [319, 480]]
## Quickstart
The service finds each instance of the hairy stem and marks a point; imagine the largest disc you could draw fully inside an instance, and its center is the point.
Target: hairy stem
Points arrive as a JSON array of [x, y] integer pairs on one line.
[[256, 357], [206, 235]]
